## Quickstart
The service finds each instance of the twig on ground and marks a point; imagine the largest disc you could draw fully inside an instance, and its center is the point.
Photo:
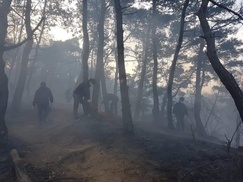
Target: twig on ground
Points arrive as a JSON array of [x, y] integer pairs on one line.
[[229, 141], [199, 168]]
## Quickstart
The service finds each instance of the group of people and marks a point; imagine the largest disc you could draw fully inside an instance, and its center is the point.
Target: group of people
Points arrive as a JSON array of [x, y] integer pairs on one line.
[[43, 99]]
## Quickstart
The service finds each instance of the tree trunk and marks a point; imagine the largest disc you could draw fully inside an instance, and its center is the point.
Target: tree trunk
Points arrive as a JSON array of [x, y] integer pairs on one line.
[[4, 10], [116, 73], [13, 61], [198, 96], [163, 105], [155, 68], [104, 90], [15, 106], [126, 110], [100, 56], [142, 75], [17, 49], [85, 51], [37, 47], [226, 78], [173, 67]]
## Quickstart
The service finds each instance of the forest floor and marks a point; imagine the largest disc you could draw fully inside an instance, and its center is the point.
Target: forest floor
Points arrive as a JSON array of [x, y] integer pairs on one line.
[[96, 150]]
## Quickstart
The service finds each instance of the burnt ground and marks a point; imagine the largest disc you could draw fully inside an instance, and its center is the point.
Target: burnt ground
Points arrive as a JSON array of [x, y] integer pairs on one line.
[[7, 173], [96, 150]]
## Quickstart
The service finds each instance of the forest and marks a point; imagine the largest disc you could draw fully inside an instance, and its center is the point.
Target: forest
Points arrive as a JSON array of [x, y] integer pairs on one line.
[[146, 57]]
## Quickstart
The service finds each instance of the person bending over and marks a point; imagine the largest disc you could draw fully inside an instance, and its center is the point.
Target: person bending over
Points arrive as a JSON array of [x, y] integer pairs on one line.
[[82, 95]]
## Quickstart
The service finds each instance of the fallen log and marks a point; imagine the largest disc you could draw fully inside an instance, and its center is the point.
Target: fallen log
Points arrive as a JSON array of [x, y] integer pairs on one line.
[[19, 167]]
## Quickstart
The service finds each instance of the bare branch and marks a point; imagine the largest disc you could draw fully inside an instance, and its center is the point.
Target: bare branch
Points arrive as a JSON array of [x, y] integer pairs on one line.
[[181, 84], [129, 35], [25, 40], [229, 141], [224, 7], [126, 7], [17, 13], [211, 112], [130, 13]]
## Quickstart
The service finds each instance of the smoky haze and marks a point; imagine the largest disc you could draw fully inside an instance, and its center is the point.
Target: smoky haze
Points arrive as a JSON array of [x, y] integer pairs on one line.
[[91, 123], [59, 63]]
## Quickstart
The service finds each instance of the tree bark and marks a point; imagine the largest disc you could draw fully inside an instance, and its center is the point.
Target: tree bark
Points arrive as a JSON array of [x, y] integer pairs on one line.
[[226, 78], [37, 47], [126, 110], [155, 110], [15, 106], [116, 73], [15, 57], [85, 51], [198, 96], [104, 90], [173, 67], [163, 106], [100, 56], [142, 75], [4, 10]]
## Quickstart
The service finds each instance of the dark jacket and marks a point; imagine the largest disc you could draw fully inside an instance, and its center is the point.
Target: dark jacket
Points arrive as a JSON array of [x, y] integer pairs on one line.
[[180, 109], [82, 90], [43, 96]]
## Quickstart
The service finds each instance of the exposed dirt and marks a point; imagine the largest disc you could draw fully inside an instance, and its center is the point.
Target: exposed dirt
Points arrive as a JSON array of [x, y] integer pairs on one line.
[[93, 150]]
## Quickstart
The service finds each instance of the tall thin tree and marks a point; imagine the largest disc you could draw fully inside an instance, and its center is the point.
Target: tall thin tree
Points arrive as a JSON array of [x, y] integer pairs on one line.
[[173, 67], [15, 106], [85, 51], [155, 67], [4, 10], [37, 48], [224, 75], [126, 110], [143, 73], [198, 93], [116, 71], [100, 55]]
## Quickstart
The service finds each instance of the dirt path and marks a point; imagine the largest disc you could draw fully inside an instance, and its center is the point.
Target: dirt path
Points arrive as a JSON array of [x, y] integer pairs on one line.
[[88, 150]]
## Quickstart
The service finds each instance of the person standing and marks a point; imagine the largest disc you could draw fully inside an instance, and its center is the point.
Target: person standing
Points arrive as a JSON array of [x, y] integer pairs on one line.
[[180, 111], [82, 95], [42, 99]]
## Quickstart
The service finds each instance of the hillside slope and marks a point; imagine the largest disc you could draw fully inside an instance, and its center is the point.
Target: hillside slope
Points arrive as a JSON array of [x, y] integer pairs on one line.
[[93, 150]]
